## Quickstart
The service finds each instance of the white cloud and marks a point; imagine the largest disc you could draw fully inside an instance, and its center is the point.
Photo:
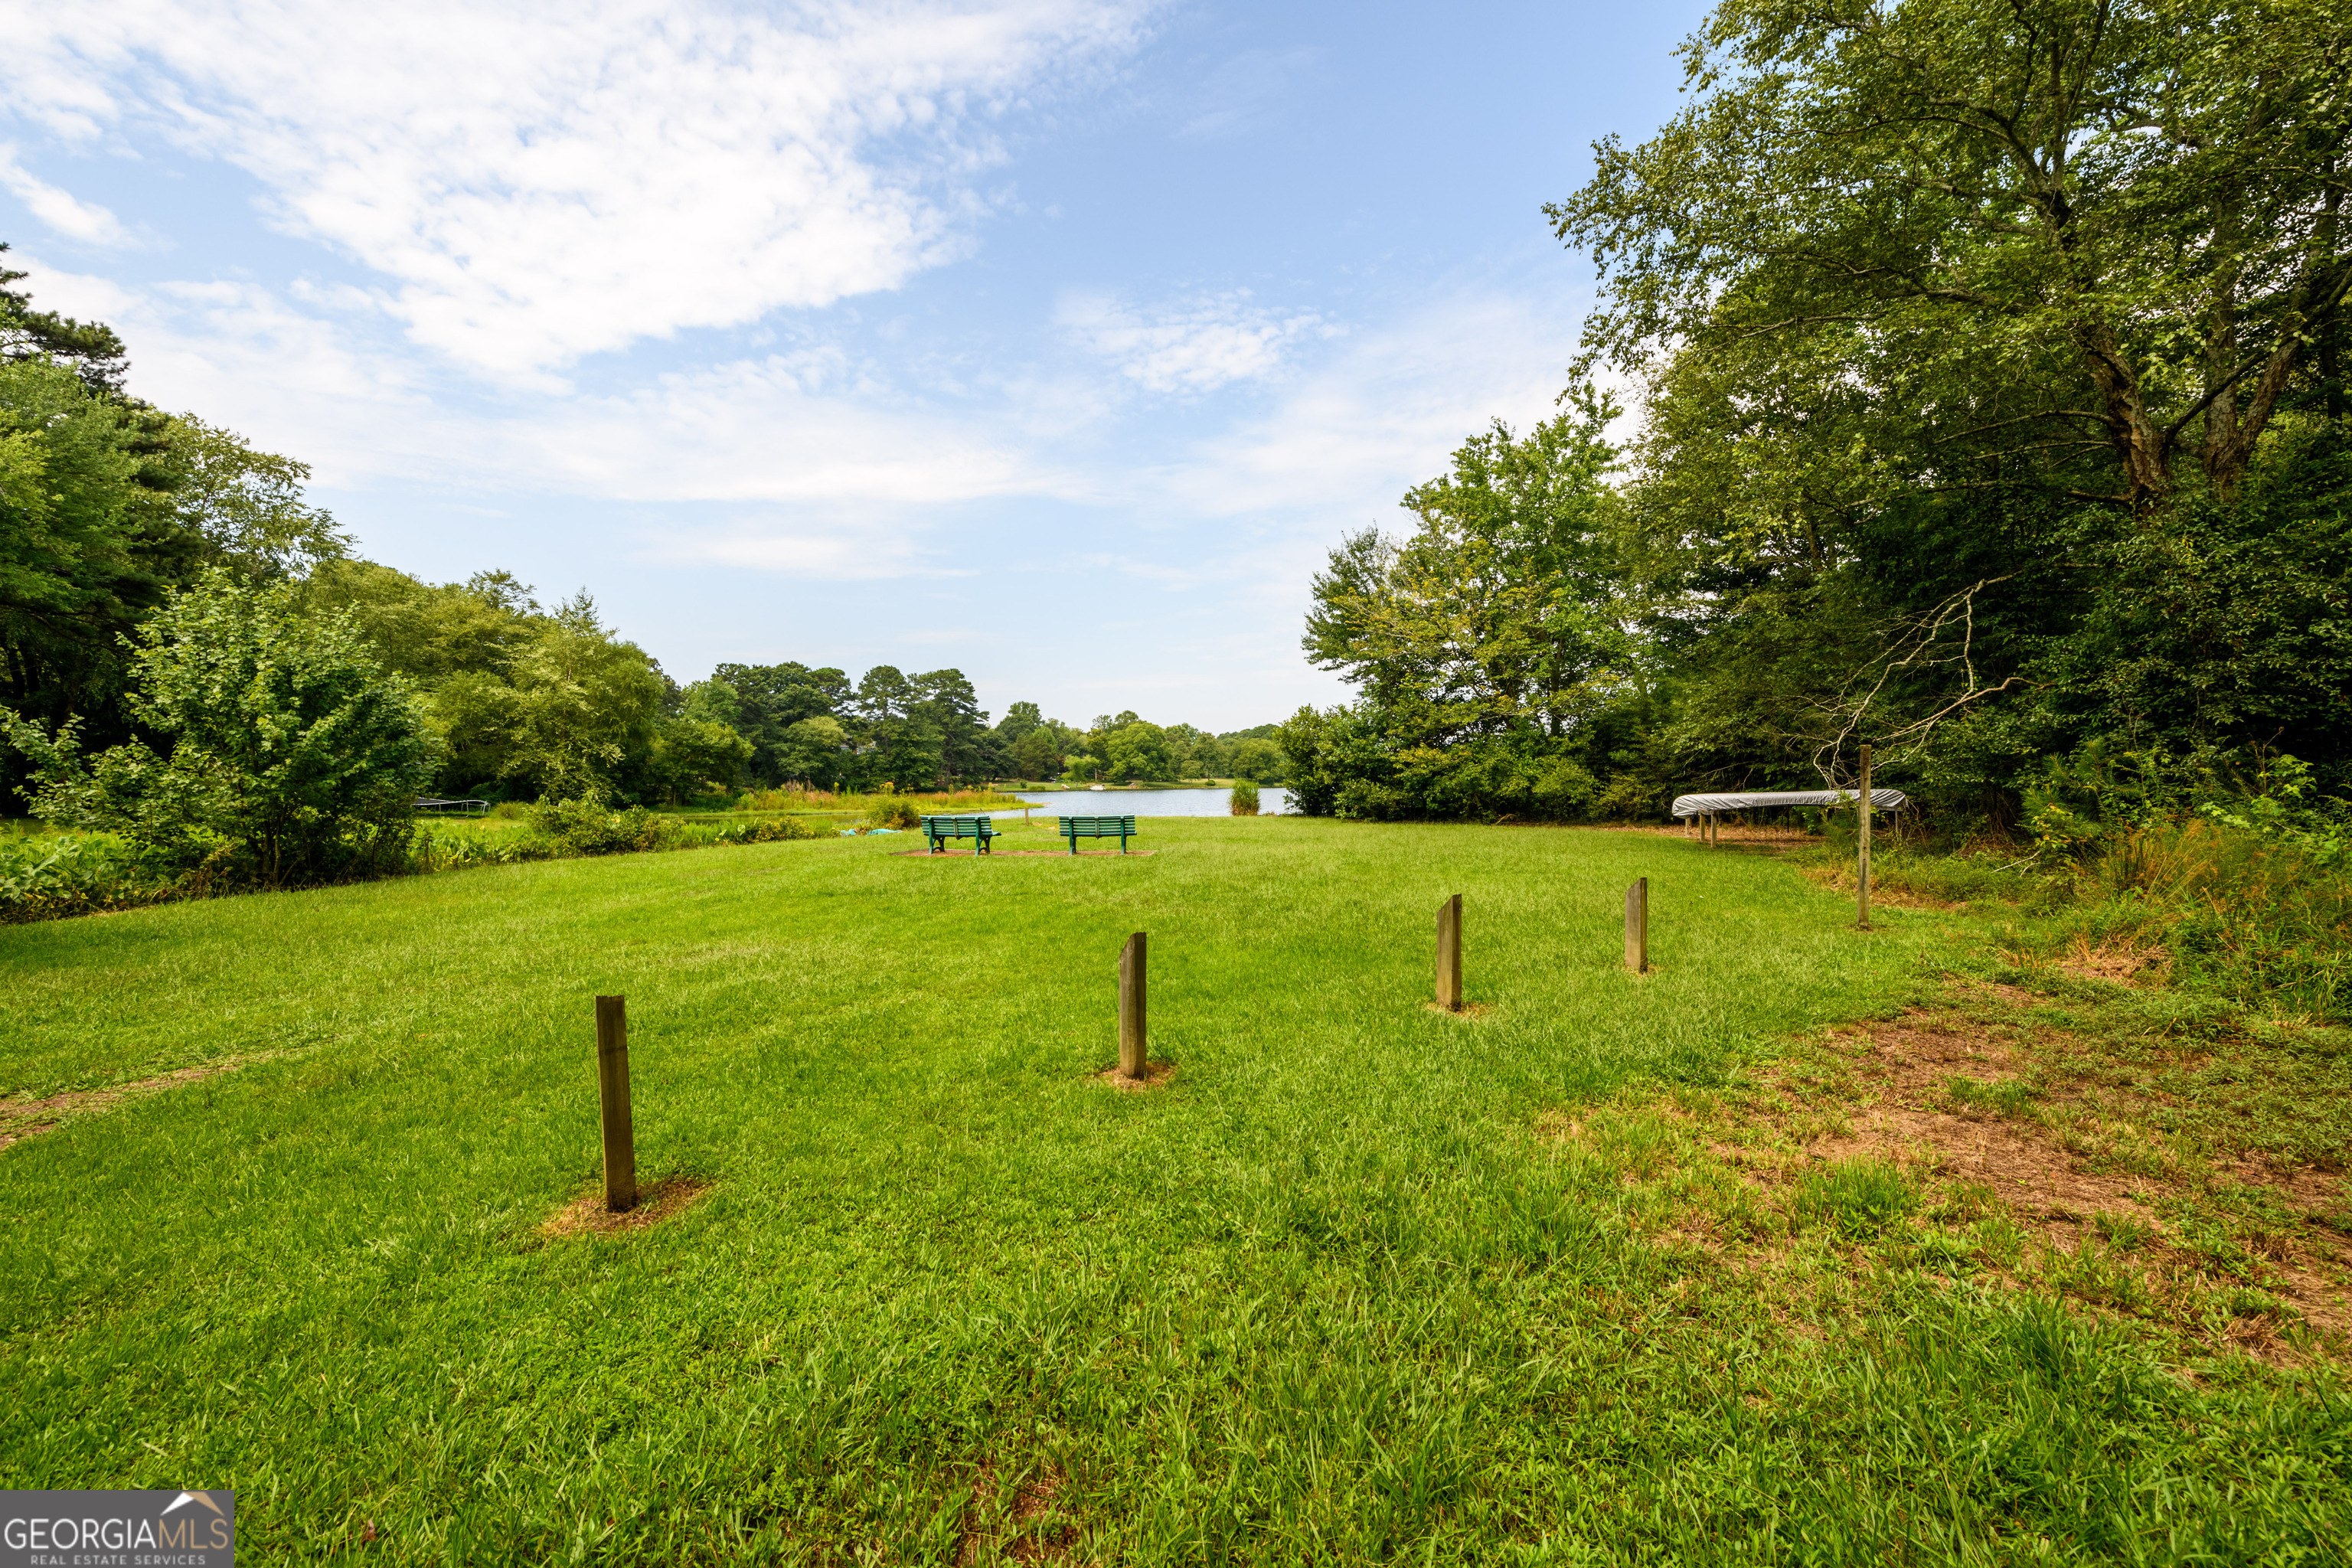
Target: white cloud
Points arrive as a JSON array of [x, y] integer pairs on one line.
[[1197, 346], [802, 428], [819, 468], [63, 211], [545, 179], [1349, 436]]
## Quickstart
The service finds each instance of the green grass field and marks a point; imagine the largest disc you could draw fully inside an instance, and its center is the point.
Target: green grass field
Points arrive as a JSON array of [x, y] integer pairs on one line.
[[1337, 1291]]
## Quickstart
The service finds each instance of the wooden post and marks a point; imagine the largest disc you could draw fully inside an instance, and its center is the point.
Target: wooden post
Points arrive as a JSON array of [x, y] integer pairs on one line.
[[612, 1090], [1861, 841], [1637, 926], [1132, 1051], [1449, 954]]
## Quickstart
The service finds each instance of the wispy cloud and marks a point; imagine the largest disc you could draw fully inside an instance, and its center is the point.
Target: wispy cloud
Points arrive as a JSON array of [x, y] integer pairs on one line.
[[61, 210], [1248, 91], [844, 473], [1195, 346], [1389, 408], [545, 180]]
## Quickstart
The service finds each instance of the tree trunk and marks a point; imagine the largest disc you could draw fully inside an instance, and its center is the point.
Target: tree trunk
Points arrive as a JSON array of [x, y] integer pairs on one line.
[[2136, 439]]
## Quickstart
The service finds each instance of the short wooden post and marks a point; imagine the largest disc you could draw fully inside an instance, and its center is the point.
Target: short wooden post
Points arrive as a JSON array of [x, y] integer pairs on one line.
[[1862, 842], [1132, 1051], [612, 1090], [1449, 954], [1637, 926]]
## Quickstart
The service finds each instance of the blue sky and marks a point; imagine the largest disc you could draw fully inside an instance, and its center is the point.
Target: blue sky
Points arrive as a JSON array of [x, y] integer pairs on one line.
[[1057, 342]]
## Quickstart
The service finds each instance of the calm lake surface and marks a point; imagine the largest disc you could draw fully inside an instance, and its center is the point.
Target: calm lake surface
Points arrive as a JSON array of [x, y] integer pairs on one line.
[[1149, 802]]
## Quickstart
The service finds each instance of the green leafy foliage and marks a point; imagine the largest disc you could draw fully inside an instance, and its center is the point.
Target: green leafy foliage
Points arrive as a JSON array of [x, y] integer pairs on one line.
[[1994, 397], [584, 824], [1490, 645], [290, 756], [51, 878], [771, 830]]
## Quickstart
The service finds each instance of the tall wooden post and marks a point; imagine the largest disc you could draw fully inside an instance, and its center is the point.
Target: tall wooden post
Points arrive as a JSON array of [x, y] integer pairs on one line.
[[1861, 841], [613, 1091], [1637, 926], [1449, 954], [1133, 1052]]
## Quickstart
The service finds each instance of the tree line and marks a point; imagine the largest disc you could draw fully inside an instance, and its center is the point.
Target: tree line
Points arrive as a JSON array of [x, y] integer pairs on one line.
[[1987, 366], [530, 702]]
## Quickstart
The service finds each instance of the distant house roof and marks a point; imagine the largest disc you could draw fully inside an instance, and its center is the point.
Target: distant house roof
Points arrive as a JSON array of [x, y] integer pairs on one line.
[[1701, 804]]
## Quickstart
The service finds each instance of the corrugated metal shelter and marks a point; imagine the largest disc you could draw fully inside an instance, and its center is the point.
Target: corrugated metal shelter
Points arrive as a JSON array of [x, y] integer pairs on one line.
[[1748, 800]]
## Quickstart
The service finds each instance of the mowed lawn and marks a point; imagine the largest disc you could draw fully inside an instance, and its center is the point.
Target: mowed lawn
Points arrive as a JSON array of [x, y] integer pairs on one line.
[[1327, 1295]]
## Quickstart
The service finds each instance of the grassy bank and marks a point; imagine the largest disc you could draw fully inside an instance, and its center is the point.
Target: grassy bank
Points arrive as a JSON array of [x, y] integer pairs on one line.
[[1610, 1270]]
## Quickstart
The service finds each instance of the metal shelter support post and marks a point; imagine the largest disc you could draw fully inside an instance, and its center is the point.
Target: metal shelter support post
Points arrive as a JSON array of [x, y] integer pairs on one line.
[[1862, 844]]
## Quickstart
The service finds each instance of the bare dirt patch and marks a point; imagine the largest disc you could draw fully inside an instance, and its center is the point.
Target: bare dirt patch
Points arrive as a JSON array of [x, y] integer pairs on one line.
[[657, 1201], [1022, 1521], [1955, 1100], [22, 1118], [1155, 1075], [1467, 1010]]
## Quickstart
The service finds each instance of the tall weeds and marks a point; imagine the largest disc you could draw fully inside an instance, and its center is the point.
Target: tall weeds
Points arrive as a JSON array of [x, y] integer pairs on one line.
[[2262, 918]]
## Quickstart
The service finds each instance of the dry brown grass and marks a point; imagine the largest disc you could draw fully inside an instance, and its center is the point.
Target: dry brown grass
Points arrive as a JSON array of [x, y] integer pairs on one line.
[[1155, 1075], [656, 1201], [22, 1118], [1016, 1519], [2083, 1173]]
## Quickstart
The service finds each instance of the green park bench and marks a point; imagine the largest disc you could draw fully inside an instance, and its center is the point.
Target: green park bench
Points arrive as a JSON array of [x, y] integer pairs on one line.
[[937, 830], [1076, 827]]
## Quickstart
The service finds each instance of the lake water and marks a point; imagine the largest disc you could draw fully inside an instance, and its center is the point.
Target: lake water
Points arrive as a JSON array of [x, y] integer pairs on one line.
[[1149, 802]]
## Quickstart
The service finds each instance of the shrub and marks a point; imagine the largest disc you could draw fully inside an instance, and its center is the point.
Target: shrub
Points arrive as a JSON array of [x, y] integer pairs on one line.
[[49, 878], [768, 830], [1244, 797], [893, 811], [583, 826], [292, 758], [446, 851]]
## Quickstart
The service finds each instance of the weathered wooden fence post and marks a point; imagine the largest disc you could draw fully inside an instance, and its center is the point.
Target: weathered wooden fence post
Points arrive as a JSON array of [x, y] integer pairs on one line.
[[1637, 926], [1861, 841], [1449, 954], [1133, 1052], [613, 1091]]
